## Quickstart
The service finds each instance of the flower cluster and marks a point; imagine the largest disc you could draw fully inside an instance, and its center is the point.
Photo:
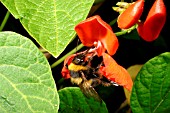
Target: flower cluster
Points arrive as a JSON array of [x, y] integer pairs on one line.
[[98, 35], [150, 29]]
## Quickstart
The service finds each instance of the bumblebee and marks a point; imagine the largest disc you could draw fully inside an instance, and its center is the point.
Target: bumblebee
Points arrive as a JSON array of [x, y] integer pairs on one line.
[[84, 72]]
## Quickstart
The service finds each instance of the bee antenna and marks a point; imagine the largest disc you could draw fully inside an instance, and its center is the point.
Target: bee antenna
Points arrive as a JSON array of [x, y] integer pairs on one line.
[[77, 45]]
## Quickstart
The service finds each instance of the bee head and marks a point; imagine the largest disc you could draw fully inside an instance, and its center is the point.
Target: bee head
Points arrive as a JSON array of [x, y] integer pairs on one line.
[[80, 60]]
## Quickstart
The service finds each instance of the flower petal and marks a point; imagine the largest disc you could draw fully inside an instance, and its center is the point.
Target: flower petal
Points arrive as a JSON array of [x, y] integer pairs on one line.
[[99, 48], [116, 73], [131, 15], [69, 59], [94, 29], [65, 72], [154, 22]]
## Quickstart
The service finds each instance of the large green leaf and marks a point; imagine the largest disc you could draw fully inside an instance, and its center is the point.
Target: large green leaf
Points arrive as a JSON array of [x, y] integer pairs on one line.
[[72, 100], [151, 91], [26, 83], [50, 22]]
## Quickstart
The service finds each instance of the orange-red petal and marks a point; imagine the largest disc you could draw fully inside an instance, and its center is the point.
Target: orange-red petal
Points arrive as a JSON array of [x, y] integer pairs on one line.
[[94, 29], [69, 59], [131, 15], [154, 22], [65, 72], [116, 73], [99, 48]]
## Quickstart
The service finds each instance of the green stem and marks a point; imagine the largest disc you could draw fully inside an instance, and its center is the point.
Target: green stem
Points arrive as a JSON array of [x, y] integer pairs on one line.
[[60, 81], [98, 1], [121, 33], [125, 31], [5, 20], [113, 22], [65, 56], [43, 50]]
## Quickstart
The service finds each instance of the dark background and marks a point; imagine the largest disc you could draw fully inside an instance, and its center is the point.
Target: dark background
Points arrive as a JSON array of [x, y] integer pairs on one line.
[[130, 51]]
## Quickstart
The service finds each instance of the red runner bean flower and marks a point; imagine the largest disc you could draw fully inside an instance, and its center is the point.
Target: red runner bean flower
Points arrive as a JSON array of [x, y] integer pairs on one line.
[[115, 72], [151, 28], [95, 32], [131, 15]]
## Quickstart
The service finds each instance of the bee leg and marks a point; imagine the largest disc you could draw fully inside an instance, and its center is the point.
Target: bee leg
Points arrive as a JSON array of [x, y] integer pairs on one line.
[[83, 76], [90, 58], [114, 83], [87, 89], [106, 84], [96, 82], [89, 82]]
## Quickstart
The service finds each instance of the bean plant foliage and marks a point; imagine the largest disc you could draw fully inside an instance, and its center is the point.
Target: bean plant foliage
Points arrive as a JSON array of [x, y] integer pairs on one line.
[[151, 91], [50, 22], [27, 84]]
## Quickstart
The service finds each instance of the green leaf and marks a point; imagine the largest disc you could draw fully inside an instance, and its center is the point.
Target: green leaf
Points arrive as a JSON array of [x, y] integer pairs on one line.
[[151, 91], [26, 83], [50, 22], [72, 100]]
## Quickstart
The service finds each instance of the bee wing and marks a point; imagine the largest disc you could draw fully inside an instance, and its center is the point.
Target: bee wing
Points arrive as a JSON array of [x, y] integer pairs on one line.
[[89, 91]]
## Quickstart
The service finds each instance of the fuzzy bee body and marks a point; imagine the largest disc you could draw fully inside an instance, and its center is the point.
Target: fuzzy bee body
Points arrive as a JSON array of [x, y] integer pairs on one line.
[[84, 73]]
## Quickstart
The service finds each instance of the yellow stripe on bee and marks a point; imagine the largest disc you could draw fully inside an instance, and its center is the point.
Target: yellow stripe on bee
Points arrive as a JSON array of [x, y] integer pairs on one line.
[[76, 80], [74, 67]]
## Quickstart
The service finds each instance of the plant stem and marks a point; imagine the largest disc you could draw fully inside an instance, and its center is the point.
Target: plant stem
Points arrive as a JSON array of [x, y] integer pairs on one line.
[[4, 20], [120, 33], [43, 50], [60, 81], [98, 1], [65, 56], [126, 31], [113, 22]]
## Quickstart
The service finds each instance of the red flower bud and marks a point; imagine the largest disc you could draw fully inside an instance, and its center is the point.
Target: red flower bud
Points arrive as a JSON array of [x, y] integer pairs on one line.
[[131, 15], [151, 28], [95, 32]]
